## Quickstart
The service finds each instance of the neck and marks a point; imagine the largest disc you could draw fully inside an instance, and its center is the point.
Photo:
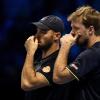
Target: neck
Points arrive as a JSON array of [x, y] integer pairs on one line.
[[93, 40], [52, 49]]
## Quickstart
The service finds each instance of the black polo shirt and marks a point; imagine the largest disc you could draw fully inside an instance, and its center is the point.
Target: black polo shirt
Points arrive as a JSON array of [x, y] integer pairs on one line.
[[42, 66], [86, 69]]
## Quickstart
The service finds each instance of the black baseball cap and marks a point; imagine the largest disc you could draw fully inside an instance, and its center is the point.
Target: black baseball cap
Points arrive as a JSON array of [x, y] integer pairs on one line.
[[50, 22]]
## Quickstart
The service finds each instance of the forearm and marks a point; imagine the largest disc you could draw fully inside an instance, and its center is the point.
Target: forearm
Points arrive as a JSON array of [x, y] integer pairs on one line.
[[28, 71], [62, 59], [30, 79], [61, 73]]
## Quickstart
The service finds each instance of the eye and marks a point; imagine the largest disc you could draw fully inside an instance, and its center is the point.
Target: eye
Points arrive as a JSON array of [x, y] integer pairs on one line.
[[43, 32], [76, 28]]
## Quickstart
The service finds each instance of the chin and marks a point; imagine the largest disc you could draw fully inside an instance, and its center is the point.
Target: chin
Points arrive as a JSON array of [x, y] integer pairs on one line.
[[41, 46], [82, 43]]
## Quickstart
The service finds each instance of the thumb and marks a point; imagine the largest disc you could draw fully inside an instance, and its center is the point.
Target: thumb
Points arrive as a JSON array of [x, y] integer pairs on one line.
[[36, 40]]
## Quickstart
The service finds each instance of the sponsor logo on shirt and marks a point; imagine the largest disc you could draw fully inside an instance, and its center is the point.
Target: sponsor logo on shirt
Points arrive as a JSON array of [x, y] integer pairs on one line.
[[46, 69]]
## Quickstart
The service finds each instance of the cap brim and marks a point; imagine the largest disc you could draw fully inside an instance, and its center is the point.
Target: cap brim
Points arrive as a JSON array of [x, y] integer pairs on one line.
[[40, 25]]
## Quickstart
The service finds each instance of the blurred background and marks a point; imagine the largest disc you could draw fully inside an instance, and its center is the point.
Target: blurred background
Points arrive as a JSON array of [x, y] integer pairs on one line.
[[15, 16]]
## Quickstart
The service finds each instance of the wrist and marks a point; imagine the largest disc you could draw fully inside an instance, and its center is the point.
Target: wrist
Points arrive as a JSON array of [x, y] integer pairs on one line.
[[31, 53], [66, 44]]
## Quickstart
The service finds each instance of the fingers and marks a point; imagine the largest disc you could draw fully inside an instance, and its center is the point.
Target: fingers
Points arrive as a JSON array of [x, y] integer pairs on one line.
[[36, 41], [31, 38], [72, 33]]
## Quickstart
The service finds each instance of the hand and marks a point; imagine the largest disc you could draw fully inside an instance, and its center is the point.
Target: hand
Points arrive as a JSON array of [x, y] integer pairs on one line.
[[68, 39], [31, 45]]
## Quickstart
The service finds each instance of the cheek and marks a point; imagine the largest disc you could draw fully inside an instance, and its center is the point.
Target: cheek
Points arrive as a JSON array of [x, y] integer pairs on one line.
[[46, 39], [82, 33], [84, 36]]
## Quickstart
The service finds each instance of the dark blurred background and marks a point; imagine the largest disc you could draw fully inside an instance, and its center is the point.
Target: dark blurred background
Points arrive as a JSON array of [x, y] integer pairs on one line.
[[15, 16]]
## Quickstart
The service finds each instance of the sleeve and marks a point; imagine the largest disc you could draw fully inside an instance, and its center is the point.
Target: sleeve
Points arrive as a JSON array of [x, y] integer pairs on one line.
[[47, 71], [47, 66], [85, 63]]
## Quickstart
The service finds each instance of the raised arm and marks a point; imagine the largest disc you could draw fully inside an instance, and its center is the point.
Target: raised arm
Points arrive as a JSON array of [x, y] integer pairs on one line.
[[61, 73], [30, 79]]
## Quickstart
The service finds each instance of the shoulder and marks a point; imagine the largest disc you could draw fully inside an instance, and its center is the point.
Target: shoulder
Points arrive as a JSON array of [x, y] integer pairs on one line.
[[88, 53]]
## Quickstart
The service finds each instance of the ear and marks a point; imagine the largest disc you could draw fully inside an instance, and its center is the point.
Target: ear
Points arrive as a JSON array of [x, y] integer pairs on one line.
[[91, 30], [57, 35]]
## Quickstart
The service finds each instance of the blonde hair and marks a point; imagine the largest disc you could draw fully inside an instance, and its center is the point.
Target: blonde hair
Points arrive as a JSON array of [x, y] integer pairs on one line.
[[89, 16]]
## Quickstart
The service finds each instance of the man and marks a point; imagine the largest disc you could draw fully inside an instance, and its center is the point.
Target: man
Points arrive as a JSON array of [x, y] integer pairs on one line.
[[38, 69], [86, 67]]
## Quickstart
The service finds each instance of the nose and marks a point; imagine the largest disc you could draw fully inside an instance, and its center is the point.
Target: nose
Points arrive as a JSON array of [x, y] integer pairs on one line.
[[38, 35], [73, 32]]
